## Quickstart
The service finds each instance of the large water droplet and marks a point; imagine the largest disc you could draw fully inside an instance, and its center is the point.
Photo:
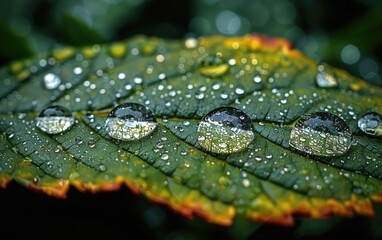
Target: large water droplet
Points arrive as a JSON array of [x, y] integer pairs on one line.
[[325, 77], [51, 81], [213, 66], [321, 134], [371, 123], [225, 130], [130, 121], [54, 119]]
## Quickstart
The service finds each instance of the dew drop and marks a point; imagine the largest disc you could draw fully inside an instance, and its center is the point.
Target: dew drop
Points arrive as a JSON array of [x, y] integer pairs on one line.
[[183, 153], [130, 121], [223, 96], [79, 140], [51, 81], [239, 91], [225, 130], [321, 134], [257, 79], [102, 168], [138, 80], [77, 70], [371, 124], [246, 182], [54, 119], [92, 143], [165, 156], [268, 156], [213, 66], [35, 180], [325, 77]]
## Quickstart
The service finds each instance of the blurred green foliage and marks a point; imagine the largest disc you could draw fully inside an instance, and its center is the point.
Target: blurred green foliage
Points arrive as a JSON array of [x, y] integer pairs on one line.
[[346, 34]]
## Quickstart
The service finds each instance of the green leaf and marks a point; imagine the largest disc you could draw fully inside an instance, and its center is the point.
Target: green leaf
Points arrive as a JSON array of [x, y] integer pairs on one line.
[[95, 22], [267, 182], [13, 43], [79, 32]]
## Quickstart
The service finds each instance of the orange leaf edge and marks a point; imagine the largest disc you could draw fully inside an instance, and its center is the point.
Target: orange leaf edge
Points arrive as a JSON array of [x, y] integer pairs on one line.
[[204, 208]]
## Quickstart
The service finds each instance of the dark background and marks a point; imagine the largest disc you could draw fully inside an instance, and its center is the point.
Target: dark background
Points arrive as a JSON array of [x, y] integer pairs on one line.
[[346, 34]]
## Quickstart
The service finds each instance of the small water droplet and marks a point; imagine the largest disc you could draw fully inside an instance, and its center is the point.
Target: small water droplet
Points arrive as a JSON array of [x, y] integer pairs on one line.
[[35, 180], [223, 96], [225, 130], [90, 117], [246, 182], [51, 81], [159, 145], [183, 153], [54, 119], [323, 133], [77, 70], [199, 96], [213, 66], [138, 80], [239, 91], [130, 121], [79, 140], [92, 143], [325, 77], [165, 156], [371, 124], [257, 79], [102, 168]]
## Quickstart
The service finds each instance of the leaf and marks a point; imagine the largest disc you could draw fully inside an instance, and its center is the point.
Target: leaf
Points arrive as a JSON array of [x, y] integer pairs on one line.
[[13, 44], [78, 32], [95, 22], [267, 182]]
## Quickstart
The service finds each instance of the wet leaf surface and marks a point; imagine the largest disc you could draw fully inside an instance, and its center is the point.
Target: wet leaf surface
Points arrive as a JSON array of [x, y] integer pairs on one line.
[[180, 82]]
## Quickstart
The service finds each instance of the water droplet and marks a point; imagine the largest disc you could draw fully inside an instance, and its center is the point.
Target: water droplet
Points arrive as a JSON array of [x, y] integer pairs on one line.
[[239, 91], [138, 80], [371, 124], [183, 153], [164, 156], [54, 119], [321, 134], [77, 70], [213, 66], [223, 96], [35, 180], [325, 77], [246, 182], [102, 168], [130, 121], [91, 143], [51, 81], [225, 130], [257, 79], [79, 140]]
